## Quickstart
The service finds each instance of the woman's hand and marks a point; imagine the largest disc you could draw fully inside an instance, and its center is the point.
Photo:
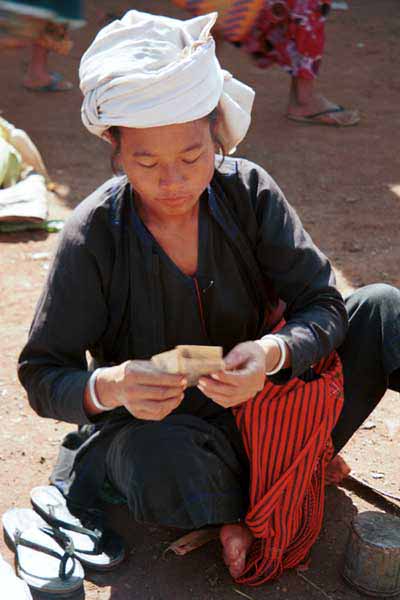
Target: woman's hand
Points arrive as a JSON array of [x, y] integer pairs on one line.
[[141, 388], [244, 373]]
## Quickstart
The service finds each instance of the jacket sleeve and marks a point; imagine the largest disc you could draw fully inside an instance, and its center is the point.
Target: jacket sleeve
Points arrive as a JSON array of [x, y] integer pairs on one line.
[[70, 319], [302, 277]]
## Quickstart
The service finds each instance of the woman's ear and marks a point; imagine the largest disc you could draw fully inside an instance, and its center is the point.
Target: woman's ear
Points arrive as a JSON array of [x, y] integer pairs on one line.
[[215, 119], [107, 135], [113, 135]]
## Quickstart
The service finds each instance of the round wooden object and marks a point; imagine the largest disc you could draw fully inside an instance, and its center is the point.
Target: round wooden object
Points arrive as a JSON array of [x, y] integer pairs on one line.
[[372, 559]]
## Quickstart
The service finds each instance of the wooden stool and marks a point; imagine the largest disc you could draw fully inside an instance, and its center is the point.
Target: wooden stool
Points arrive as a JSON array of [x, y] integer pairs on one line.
[[372, 558]]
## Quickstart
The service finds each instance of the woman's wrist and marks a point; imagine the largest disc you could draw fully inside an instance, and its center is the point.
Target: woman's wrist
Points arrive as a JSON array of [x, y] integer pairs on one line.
[[277, 354], [99, 396], [93, 392]]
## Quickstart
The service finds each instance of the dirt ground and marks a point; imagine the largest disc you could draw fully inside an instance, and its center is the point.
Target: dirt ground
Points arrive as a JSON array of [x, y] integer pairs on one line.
[[345, 185]]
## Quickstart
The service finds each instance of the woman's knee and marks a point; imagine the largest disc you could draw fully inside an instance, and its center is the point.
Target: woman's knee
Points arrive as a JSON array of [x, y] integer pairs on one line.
[[375, 299], [145, 448], [157, 454], [172, 475]]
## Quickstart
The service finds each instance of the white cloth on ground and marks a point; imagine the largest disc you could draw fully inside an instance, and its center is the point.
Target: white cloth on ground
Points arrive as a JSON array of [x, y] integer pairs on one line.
[[147, 71]]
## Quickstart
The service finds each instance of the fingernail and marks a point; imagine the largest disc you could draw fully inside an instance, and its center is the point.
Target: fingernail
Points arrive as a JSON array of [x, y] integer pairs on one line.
[[214, 376], [200, 386]]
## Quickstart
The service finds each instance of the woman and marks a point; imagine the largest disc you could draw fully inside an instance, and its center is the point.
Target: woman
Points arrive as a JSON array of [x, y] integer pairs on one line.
[[185, 250], [290, 33], [45, 25]]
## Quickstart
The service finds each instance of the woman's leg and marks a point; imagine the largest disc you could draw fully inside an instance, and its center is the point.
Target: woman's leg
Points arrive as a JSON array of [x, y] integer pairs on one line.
[[370, 355], [180, 472]]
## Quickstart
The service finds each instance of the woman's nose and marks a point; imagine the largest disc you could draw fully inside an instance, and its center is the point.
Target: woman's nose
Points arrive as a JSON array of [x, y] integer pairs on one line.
[[171, 176]]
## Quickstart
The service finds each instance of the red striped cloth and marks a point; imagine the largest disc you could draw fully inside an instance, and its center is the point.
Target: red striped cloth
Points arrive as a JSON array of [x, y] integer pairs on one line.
[[286, 432]]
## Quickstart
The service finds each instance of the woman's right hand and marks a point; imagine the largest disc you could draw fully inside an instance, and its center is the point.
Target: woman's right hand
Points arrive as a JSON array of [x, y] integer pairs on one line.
[[145, 391]]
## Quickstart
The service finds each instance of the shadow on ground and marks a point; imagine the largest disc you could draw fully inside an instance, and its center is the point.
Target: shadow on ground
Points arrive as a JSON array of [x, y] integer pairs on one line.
[[150, 574]]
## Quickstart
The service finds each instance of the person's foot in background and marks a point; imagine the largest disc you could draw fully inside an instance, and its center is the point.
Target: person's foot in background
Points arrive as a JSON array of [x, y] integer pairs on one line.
[[38, 77], [307, 106]]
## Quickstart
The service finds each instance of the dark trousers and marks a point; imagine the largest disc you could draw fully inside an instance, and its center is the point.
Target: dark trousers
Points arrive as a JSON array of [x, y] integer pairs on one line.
[[188, 472], [370, 355]]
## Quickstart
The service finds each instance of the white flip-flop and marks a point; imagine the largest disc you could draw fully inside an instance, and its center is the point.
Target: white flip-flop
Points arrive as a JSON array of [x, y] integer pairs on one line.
[[11, 585], [49, 569], [96, 549]]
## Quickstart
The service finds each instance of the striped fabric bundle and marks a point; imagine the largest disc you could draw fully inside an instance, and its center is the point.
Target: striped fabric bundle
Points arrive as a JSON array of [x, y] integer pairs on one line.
[[286, 431], [236, 17]]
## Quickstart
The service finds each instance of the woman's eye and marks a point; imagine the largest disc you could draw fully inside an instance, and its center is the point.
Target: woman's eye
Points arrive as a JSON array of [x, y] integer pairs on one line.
[[190, 161], [147, 166]]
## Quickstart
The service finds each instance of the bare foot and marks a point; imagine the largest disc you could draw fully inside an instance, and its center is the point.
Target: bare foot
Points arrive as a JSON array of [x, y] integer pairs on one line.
[[313, 104], [236, 540], [337, 471]]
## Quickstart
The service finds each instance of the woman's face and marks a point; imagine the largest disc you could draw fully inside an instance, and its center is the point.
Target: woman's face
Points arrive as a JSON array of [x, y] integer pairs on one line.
[[169, 167]]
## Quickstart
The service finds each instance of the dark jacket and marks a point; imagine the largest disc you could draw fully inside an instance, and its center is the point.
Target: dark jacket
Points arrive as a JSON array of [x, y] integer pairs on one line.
[[103, 292]]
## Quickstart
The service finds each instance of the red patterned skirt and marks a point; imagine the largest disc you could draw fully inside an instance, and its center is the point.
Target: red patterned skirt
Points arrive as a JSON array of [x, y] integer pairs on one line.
[[290, 33]]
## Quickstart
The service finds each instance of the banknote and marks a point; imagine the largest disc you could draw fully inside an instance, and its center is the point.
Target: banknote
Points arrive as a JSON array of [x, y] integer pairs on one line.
[[192, 361]]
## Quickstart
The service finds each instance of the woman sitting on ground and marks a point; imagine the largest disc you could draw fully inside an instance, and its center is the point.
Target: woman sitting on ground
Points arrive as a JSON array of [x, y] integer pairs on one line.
[[189, 248]]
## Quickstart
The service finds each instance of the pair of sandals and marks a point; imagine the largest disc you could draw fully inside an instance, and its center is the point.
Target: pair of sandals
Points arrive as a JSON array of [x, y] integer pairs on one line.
[[52, 546]]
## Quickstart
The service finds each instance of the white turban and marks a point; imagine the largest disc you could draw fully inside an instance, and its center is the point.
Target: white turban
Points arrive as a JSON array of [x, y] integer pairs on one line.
[[146, 71]]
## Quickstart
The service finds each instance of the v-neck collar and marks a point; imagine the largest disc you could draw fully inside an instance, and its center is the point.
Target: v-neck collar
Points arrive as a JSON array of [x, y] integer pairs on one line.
[[202, 232]]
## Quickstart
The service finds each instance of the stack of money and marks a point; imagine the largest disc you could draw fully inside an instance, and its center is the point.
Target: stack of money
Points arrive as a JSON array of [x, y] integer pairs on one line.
[[192, 361]]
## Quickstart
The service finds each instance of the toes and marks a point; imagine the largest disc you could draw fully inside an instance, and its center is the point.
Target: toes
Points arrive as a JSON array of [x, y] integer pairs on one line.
[[236, 568], [231, 552]]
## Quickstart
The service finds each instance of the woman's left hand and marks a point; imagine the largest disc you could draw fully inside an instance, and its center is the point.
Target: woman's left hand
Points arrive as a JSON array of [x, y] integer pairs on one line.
[[242, 378]]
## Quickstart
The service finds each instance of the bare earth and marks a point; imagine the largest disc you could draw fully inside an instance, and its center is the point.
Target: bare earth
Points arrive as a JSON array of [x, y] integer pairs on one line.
[[345, 185]]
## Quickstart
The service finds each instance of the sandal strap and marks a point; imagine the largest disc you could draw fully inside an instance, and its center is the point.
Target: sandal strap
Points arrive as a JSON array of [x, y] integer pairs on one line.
[[63, 574], [95, 535], [328, 111]]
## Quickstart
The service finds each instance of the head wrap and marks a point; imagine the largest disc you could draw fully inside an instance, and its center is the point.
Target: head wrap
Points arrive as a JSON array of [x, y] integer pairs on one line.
[[146, 71]]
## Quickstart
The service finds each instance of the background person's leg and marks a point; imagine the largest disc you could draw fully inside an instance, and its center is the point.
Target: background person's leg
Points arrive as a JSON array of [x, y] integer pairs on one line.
[[38, 73], [370, 355], [179, 472]]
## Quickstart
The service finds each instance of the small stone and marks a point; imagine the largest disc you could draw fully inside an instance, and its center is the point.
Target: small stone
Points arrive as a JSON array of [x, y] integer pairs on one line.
[[368, 425], [376, 475], [39, 255]]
